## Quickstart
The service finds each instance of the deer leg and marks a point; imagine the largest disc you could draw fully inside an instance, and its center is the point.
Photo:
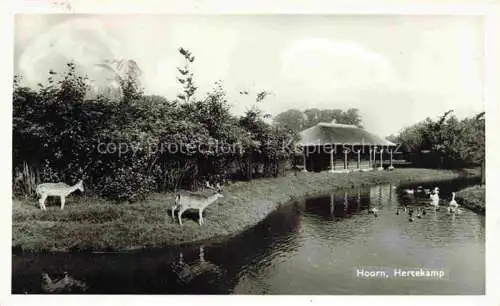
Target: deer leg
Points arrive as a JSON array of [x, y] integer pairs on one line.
[[42, 202], [200, 217], [201, 214], [173, 211], [63, 200]]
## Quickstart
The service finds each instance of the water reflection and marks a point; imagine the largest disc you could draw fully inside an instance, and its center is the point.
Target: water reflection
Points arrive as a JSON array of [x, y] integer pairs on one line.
[[308, 247]]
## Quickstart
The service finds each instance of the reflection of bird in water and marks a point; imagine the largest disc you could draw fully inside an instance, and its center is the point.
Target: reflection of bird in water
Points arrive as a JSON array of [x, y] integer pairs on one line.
[[419, 213], [67, 284], [187, 272], [410, 212]]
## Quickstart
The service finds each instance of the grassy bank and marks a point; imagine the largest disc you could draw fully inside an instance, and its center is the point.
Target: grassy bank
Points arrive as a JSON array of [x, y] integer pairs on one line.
[[474, 198], [94, 224]]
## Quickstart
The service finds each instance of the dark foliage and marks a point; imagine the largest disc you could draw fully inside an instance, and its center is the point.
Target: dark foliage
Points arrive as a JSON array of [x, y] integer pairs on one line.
[[126, 148]]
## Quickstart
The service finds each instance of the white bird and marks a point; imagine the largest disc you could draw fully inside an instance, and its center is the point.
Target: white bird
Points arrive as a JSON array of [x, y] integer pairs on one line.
[[453, 203], [435, 198]]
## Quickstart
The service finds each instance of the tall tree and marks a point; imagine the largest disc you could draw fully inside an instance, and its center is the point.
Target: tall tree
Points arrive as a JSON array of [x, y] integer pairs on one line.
[[186, 76], [292, 119]]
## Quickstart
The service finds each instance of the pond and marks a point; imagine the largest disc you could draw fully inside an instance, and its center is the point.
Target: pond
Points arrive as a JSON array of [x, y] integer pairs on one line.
[[315, 245]]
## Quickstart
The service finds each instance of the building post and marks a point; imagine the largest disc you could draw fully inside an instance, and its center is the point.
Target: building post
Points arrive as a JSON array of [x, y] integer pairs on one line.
[[304, 159], [359, 158], [345, 159], [332, 167], [391, 167], [370, 160], [381, 160]]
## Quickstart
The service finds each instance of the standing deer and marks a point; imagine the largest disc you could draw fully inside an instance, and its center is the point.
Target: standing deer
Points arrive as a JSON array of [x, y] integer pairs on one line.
[[191, 200], [61, 190]]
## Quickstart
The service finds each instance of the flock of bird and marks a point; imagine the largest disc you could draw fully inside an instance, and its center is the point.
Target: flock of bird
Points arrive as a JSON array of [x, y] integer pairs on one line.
[[418, 212]]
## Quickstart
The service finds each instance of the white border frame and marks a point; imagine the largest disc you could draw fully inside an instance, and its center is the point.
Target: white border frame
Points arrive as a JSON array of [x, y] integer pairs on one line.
[[491, 13]]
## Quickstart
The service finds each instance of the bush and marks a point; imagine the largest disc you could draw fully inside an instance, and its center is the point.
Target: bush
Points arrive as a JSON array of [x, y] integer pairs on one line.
[[126, 184], [59, 130]]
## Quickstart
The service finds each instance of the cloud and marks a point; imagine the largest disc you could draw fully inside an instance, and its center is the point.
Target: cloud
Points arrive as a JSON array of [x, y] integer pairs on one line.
[[324, 66], [81, 40]]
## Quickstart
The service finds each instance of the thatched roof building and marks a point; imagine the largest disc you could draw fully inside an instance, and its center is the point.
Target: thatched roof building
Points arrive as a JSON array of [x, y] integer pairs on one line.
[[325, 143], [333, 133]]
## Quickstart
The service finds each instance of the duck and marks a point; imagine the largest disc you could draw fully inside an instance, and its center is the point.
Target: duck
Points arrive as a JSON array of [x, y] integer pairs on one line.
[[411, 219], [435, 198], [453, 203], [411, 211], [397, 211], [424, 211]]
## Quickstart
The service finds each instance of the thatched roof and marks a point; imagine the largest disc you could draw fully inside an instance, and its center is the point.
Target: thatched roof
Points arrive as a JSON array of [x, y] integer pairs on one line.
[[334, 133]]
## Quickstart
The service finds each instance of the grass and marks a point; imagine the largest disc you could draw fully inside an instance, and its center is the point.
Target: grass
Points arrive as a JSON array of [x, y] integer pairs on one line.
[[473, 197], [92, 224]]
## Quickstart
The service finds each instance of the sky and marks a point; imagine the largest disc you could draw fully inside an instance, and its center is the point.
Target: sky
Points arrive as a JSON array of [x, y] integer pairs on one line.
[[397, 70]]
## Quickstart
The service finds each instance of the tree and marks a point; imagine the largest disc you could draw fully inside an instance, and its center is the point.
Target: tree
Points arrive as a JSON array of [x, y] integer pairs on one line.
[[451, 142], [186, 76], [292, 119], [298, 121], [126, 74]]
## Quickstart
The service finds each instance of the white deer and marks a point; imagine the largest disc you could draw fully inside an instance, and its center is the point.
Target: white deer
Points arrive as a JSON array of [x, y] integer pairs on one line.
[[60, 190], [191, 200]]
